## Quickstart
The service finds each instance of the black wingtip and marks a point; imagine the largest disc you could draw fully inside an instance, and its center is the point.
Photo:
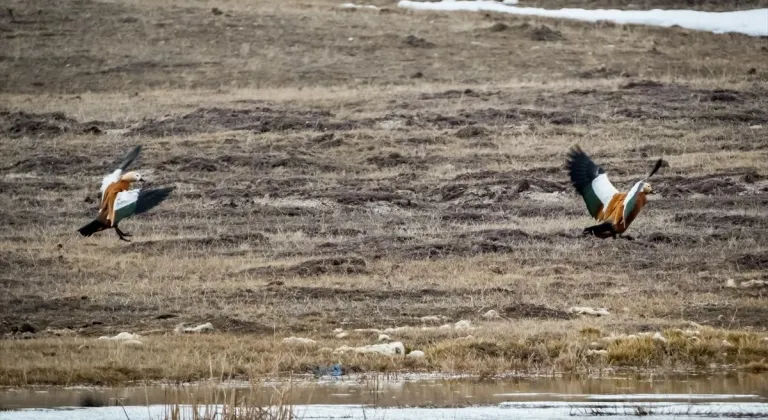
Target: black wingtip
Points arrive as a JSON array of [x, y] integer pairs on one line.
[[581, 169], [574, 152], [130, 157], [656, 167]]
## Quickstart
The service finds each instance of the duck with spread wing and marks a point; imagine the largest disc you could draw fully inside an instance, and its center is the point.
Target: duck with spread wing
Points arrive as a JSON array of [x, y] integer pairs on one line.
[[119, 201], [614, 210]]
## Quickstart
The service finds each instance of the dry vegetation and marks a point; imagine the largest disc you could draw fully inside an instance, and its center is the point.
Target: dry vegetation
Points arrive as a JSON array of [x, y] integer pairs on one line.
[[363, 169]]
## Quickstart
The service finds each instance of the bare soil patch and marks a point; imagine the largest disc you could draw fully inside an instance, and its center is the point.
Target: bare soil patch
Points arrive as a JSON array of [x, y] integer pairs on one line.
[[46, 125], [258, 120]]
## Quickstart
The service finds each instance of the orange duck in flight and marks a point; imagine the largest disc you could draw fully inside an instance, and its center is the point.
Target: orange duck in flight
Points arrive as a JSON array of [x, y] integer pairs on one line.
[[119, 201], [613, 209]]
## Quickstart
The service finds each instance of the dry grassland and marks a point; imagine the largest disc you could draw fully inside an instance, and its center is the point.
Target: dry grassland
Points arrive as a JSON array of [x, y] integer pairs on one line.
[[364, 169]]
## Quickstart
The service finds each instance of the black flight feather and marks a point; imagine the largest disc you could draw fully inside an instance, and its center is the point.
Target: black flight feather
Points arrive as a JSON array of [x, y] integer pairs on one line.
[[656, 167], [581, 169], [130, 157]]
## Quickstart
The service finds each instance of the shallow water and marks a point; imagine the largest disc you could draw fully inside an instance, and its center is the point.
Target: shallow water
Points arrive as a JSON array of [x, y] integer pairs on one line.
[[377, 397], [529, 410]]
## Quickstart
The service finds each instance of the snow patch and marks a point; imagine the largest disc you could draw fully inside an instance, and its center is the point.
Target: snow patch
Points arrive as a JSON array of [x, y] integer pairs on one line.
[[750, 22], [358, 6]]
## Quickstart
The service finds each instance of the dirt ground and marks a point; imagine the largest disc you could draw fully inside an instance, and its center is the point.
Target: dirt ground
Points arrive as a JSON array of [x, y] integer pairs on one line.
[[364, 169]]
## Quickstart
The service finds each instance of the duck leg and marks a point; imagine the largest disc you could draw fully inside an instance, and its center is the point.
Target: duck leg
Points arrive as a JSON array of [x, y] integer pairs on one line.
[[122, 235]]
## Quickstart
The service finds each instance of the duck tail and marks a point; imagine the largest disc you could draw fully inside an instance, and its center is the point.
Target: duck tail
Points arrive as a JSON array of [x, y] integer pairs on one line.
[[92, 228]]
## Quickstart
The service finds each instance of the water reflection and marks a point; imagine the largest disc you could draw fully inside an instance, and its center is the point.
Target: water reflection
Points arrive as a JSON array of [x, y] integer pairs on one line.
[[373, 390]]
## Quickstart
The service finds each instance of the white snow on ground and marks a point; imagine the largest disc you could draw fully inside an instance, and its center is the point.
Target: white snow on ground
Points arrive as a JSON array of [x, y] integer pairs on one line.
[[358, 6], [750, 22]]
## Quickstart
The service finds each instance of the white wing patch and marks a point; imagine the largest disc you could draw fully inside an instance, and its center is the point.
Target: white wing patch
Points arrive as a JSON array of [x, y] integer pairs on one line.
[[126, 198], [109, 180], [630, 195], [603, 189], [633, 191]]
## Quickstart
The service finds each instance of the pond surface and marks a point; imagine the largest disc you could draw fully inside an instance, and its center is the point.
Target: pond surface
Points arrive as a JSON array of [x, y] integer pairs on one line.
[[416, 396]]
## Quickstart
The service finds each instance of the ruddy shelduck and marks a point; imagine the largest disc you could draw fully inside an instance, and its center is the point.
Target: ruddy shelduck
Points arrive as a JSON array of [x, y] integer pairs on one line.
[[613, 209], [119, 201]]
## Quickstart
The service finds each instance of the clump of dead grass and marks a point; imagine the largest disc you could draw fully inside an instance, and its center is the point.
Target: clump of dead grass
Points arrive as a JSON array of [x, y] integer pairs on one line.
[[493, 348], [229, 404]]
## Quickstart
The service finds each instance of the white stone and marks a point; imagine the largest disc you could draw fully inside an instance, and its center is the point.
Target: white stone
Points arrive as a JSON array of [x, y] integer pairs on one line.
[[586, 310], [121, 337], [432, 318], [753, 284], [395, 330], [181, 329], [385, 349], [462, 325], [298, 340], [416, 354]]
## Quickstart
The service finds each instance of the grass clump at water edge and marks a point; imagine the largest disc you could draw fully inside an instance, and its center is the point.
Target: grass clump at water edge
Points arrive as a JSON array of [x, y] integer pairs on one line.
[[234, 404]]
